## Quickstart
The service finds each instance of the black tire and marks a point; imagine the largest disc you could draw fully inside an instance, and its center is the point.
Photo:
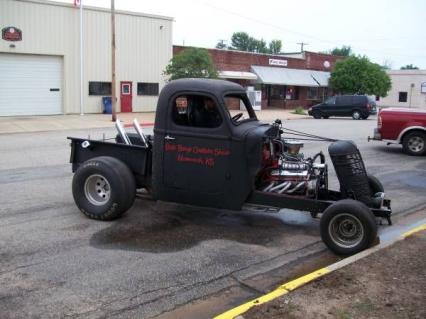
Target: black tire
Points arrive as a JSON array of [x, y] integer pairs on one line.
[[355, 219], [364, 117], [103, 188], [375, 185], [414, 143], [356, 115], [316, 114]]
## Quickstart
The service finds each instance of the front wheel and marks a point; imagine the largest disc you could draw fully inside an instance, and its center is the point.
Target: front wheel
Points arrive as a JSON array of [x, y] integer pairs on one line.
[[103, 188], [316, 114], [348, 227], [414, 143]]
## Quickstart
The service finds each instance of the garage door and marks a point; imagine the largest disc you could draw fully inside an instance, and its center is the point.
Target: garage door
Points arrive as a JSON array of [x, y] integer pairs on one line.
[[30, 84]]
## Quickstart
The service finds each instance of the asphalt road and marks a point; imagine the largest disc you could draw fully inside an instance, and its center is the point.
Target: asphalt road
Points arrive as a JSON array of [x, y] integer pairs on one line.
[[54, 262]]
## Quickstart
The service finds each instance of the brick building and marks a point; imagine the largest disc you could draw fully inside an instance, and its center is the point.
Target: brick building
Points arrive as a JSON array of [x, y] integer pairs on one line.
[[285, 80]]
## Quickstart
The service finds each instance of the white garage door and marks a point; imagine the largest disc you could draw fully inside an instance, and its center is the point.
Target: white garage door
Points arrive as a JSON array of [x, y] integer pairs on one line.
[[30, 84]]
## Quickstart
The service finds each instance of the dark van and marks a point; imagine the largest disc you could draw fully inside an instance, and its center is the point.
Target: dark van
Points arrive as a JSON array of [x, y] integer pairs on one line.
[[357, 106]]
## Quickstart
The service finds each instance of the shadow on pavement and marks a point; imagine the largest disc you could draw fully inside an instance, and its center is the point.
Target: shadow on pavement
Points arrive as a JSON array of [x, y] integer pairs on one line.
[[170, 228]]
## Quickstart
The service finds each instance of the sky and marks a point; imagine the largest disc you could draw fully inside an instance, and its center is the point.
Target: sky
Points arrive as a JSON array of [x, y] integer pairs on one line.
[[391, 32]]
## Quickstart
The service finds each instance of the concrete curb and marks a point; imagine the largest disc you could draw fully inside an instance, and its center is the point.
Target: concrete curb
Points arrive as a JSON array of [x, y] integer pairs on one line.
[[298, 282]]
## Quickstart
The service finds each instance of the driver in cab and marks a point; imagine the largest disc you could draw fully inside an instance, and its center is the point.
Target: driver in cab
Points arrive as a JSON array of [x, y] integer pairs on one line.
[[206, 114]]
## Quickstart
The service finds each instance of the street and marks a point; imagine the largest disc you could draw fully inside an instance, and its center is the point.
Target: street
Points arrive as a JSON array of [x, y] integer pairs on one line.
[[54, 262]]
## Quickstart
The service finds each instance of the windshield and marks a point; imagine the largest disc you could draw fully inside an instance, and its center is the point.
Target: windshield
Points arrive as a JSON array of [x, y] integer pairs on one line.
[[239, 108]]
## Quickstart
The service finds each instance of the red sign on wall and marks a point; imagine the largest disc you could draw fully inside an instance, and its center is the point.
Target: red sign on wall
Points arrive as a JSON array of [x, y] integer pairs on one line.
[[11, 34]]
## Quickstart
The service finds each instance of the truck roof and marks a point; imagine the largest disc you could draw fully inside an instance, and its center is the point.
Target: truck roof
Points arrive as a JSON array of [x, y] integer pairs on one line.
[[217, 88], [210, 85]]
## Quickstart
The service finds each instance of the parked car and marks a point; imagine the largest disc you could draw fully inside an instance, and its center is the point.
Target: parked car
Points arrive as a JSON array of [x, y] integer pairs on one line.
[[402, 126], [357, 106]]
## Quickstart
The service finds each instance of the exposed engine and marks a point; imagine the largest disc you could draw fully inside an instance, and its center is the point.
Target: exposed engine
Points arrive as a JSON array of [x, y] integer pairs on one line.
[[286, 171]]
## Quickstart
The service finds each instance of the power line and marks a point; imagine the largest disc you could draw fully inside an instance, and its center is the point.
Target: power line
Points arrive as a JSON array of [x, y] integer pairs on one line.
[[334, 43]]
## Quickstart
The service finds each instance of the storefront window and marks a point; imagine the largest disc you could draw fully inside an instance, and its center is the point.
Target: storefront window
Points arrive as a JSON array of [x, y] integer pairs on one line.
[[292, 93], [312, 93], [277, 92]]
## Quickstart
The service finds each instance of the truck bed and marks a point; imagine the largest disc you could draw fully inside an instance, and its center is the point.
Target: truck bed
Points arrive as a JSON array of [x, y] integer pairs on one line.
[[136, 157]]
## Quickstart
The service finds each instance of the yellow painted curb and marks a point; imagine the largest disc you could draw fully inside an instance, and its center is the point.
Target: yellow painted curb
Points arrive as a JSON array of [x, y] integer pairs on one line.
[[281, 290], [292, 285], [413, 231]]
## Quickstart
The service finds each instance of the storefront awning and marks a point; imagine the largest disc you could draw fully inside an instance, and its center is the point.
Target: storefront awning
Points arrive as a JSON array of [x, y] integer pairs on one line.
[[240, 75], [285, 76]]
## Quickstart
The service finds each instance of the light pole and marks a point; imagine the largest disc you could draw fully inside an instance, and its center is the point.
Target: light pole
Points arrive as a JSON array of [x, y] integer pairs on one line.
[[113, 95]]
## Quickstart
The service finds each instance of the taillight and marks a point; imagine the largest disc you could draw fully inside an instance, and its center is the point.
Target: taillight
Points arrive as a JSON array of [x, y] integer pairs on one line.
[[369, 106], [379, 121]]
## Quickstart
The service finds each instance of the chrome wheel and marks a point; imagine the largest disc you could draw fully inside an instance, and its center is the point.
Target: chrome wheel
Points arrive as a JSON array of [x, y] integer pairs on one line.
[[356, 115], [416, 144], [346, 230], [97, 190]]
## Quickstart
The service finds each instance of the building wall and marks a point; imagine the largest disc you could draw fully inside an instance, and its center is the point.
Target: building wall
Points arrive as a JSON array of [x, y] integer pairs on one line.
[[231, 60], [401, 82], [144, 47]]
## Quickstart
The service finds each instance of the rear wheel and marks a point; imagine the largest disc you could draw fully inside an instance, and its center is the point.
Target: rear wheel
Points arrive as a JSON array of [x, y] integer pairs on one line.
[[414, 143], [356, 115], [316, 114], [103, 188], [348, 227]]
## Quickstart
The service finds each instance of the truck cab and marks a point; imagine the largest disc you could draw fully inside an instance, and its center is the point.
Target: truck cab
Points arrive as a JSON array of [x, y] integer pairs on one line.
[[203, 155]]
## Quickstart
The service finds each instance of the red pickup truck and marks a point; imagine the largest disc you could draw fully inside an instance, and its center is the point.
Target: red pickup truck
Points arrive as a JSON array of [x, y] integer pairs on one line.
[[402, 126]]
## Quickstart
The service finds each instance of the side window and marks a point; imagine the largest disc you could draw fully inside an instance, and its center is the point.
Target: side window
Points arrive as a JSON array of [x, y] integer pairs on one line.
[[345, 100], [331, 100], [402, 97], [99, 88], [148, 88], [196, 111]]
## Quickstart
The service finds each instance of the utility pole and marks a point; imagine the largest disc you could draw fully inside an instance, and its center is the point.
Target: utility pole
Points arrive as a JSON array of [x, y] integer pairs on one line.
[[113, 95], [81, 58], [301, 45]]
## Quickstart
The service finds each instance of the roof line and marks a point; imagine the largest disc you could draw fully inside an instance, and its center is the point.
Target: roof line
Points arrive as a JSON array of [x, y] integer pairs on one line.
[[69, 5]]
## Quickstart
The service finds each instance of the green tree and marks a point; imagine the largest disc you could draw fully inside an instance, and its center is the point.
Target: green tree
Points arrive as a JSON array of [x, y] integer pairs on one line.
[[343, 51], [409, 67], [357, 75], [241, 41], [261, 46], [191, 63], [275, 46]]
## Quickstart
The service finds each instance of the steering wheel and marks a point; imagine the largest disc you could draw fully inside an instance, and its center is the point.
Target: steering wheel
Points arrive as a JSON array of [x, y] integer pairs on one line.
[[236, 117]]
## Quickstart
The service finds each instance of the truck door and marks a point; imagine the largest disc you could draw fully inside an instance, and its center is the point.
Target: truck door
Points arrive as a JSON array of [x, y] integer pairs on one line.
[[197, 150]]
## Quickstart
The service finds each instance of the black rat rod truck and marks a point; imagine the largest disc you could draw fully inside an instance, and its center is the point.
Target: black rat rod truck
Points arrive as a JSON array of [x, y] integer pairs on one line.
[[201, 155]]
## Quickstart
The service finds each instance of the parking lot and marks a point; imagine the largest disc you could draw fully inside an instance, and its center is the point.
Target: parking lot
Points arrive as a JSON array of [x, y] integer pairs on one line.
[[159, 257]]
